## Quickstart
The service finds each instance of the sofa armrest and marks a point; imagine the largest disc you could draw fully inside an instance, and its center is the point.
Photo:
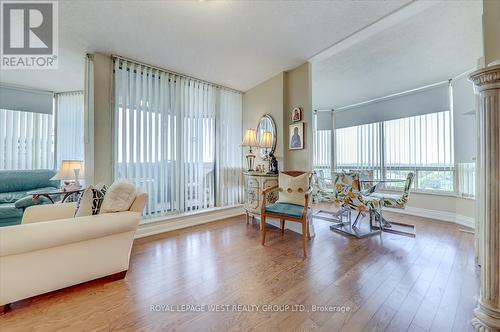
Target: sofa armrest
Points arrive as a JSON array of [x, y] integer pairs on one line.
[[20, 239], [48, 212]]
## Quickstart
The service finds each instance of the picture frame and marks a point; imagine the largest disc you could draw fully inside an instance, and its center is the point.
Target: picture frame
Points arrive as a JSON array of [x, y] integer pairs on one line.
[[297, 114], [296, 136]]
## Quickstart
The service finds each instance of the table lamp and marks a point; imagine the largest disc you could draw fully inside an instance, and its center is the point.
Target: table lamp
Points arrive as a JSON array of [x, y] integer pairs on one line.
[[266, 142], [250, 141], [69, 172]]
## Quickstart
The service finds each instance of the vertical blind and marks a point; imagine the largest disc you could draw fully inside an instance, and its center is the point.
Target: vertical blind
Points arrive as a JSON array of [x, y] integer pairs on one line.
[[422, 144], [69, 126], [26, 140], [466, 178], [229, 133], [358, 147], [165, 137]]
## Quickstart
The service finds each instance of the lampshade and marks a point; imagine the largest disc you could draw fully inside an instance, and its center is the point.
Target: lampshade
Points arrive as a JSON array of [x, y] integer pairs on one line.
[[266, 140], [250, 138], [67, 170]]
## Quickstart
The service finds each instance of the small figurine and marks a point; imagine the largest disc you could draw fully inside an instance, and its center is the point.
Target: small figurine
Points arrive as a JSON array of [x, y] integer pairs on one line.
[[273, 164]]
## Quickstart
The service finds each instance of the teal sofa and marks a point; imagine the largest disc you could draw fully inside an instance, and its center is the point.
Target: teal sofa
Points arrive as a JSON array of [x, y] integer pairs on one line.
[[14, 184]]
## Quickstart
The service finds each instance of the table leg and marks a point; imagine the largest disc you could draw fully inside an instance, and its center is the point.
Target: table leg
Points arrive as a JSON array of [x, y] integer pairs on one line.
[[48, 196], [66, 195], [386, 226], [34, 199]]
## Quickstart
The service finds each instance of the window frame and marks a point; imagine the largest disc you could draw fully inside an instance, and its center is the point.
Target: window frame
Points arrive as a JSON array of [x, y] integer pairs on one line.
[[384, 169]]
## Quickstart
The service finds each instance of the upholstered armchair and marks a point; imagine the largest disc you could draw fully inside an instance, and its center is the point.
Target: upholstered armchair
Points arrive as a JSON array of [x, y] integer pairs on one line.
[[293, 204]]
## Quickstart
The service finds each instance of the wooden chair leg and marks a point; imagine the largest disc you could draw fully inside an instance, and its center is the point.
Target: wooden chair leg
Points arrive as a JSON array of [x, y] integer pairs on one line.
[[282, 221], [263, 228], [304, 237], [308, 232]]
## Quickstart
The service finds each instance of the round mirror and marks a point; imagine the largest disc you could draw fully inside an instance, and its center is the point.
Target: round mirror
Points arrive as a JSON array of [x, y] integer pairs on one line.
[[266, 136]]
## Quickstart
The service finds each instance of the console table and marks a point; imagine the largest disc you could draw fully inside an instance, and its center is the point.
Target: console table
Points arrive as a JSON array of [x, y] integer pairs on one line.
[[255, 183]]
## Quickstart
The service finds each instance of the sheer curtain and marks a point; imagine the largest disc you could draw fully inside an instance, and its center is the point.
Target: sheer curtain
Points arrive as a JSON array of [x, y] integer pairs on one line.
[[69, 126], [165, 137], [229, 168], [26, 140]]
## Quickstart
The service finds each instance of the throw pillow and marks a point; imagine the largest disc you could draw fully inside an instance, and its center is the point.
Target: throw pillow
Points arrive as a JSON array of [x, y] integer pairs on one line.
[[292, 188], [90, 201], [120, 196]]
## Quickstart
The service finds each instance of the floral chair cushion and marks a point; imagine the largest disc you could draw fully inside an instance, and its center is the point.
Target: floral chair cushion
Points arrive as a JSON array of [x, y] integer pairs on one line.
[[348, 193], [344, 183], [323, 190]]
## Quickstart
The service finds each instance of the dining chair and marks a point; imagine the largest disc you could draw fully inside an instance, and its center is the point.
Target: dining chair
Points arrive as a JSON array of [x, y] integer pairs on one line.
[[364, 174], [294, 191], [350, 198], [397, 201], [323, 189]]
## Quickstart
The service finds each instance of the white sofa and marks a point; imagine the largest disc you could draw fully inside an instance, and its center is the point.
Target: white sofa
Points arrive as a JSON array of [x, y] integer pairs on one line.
[[51, 250]]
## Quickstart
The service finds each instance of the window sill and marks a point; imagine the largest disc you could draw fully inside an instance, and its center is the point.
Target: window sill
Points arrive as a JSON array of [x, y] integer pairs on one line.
[[432, 193]]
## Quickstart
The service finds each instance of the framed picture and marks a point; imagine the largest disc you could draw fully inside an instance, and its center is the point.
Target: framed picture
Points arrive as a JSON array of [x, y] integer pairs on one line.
[[297, 114], [296, 136]]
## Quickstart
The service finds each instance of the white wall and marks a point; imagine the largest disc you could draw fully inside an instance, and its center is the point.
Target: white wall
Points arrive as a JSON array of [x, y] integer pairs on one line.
[[265, 98], [277, 97], [464, 120], [103, 115], [298, 94], [491, 30]]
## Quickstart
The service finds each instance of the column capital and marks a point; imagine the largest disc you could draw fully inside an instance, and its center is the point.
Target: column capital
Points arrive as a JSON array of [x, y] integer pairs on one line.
[[486, 78]]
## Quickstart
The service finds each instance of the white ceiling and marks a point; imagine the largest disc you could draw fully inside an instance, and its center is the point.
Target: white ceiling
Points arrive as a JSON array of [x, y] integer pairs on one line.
[[434, 45], [237, 44]]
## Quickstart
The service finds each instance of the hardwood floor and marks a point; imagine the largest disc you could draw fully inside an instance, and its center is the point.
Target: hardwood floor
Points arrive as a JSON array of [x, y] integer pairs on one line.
[[389, 282]]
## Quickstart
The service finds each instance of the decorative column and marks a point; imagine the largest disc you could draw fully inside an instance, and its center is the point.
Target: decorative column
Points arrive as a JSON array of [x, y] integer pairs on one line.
[[487, 85]]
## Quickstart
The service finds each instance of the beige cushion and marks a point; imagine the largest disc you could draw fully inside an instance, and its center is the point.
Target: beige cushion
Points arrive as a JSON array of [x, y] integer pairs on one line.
[[119, 197], [292, 188], [37, 213]]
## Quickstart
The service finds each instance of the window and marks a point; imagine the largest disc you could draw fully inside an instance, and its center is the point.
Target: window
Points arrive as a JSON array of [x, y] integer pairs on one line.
[[421, 144], [69, 126], [26, 140], [165, 133], [358, 148], [322, 152], [466, 179], [424, 145]]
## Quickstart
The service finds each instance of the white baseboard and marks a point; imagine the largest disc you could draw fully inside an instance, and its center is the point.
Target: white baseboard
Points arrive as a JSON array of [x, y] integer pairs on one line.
[[170, 223], [437, 215]]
